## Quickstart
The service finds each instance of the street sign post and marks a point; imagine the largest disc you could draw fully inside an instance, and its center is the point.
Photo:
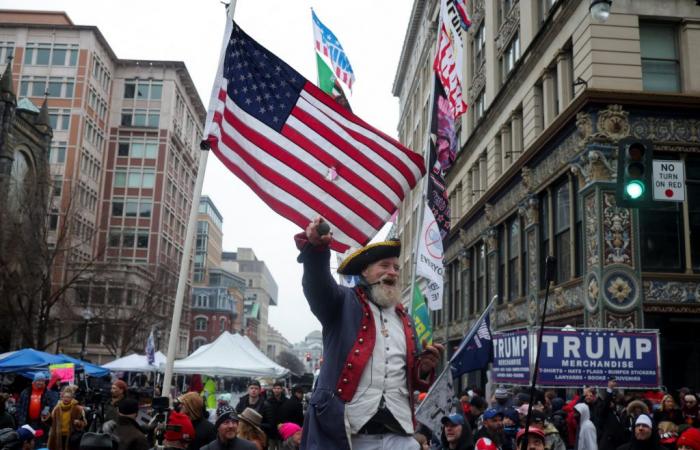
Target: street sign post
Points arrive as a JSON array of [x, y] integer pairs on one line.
[[668, 179]]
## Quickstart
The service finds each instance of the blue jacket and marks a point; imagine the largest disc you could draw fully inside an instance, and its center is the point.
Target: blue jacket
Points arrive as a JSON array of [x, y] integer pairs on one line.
[[348, 341]]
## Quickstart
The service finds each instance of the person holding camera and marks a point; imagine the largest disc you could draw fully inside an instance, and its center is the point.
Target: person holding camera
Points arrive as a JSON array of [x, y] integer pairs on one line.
[[67, 422], [179, 432], [118, 393], [128, 432]]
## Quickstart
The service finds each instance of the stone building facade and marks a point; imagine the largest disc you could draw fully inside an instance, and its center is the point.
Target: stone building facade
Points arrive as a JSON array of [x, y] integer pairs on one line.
[[551, 94]]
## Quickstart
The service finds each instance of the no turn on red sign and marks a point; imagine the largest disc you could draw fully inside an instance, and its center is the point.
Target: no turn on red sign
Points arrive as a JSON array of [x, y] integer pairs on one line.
[[669, 180]]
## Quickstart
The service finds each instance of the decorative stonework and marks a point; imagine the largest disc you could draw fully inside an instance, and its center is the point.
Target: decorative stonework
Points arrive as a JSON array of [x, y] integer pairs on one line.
[[526, 175], [593, 319], [592, 292], [508, 29], [592, 242], [493, 268], [490, 236], [596, 165], [617, 232], [614, 122], [620, 291], [558, 299], [477, 15], [488, 213], [671, 292], [532, 272], [584, 124], [529, 211], [478, 83], [620, 322], [666, 129], [532, 309]]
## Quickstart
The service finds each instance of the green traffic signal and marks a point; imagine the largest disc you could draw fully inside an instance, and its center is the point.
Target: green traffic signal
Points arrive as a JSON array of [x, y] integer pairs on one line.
[[634, 173], [634, 189]]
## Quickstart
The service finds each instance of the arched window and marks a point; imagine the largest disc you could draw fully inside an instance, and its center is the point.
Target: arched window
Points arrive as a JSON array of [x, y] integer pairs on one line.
[[200, 324], [198, 342], [21, 170], [222, 324]]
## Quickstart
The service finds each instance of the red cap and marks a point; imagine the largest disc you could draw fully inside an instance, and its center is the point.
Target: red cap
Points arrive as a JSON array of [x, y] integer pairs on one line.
[[532, 431], [179, 428], [691, 438], [485, 444]]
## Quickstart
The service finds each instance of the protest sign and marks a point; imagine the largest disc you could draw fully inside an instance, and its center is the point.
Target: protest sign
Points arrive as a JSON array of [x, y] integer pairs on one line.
[[511, 357]]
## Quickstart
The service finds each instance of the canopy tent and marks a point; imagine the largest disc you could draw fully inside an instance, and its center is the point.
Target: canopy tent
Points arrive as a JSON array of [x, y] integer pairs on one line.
[[229, 355], [136, 363], [27, 361]]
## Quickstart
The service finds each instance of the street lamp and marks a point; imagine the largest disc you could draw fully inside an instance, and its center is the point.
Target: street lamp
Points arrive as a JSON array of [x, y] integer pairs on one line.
[[600, 10], [87, 316]]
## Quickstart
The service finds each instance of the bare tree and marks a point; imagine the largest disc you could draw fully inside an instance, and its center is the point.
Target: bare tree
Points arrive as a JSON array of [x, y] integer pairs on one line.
[[290, 361]]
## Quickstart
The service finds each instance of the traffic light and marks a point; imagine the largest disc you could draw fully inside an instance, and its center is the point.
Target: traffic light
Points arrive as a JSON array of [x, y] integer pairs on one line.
[[634, 171]]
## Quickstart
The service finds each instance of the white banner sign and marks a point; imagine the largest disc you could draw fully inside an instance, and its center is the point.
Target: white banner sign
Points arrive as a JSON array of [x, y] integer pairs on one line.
[[430, 259], [438, 402]]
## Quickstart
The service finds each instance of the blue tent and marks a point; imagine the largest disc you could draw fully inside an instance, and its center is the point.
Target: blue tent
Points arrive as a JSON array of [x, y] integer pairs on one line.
[[28, 361]]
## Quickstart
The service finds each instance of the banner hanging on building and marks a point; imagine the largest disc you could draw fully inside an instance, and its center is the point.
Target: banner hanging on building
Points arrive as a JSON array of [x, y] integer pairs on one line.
[[429, 264], [511, 357]]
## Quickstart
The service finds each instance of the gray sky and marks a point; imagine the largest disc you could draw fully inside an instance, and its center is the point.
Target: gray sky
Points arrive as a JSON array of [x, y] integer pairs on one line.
[[371, 33]]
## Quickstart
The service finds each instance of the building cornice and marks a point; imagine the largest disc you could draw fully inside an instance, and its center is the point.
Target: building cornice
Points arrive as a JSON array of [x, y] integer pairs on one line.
[[414, 24]]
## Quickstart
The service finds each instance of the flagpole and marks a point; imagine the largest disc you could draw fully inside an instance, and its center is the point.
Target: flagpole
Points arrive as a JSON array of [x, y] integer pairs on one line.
[[192, 223]]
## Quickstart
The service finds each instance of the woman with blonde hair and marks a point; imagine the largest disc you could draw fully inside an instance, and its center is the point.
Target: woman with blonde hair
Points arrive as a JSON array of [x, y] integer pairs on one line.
[[67, 422], [668, 411], [249, 428]]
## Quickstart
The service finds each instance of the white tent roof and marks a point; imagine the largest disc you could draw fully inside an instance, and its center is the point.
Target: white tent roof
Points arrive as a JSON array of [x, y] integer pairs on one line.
[[135, 363], [229, 355]]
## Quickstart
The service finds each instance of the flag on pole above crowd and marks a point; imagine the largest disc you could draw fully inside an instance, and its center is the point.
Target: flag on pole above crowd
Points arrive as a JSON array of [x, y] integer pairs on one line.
[[429, 264], [449, 59], [151, 349], [421, 318], [325, 49], [329, 47], [302, 153], [475, 352]]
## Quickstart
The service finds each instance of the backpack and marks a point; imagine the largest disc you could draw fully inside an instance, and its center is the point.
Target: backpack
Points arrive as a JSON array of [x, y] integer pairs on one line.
[[9, 439], [558, 419]]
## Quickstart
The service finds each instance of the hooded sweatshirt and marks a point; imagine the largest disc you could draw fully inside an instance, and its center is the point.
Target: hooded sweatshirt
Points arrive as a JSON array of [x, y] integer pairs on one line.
[[587, 438]]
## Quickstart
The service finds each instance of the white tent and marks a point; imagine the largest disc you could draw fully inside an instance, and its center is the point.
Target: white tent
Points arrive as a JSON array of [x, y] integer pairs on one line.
[[136, 363], [229, 355]]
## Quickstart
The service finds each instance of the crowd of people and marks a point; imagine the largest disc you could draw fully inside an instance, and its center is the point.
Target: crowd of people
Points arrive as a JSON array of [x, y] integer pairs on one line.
[[605, 419]]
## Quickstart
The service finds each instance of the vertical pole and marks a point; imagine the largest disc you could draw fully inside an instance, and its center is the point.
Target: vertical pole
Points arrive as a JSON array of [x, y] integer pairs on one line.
[[192, 223]]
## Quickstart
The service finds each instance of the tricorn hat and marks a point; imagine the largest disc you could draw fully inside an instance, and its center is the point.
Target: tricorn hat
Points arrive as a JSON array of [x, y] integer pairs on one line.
[[357, 261]]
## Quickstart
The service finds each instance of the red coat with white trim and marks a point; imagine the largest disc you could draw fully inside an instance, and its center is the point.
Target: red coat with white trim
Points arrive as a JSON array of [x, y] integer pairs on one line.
[[348, 341]]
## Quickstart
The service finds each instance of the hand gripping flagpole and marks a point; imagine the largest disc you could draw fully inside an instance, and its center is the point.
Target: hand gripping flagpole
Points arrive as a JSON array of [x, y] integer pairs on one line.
[[549, 266], [192, 223]]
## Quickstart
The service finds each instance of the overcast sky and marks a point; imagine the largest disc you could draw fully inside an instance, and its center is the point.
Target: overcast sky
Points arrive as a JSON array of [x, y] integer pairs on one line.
[[371, 33]]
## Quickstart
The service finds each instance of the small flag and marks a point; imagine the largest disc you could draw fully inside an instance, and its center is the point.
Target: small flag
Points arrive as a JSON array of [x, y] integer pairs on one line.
[[437, 188], [328, 45], [461, 7], [430, 254], [421, 318], [437, 403], [281, 135], [151, 349], [450, 56], [475, 351]]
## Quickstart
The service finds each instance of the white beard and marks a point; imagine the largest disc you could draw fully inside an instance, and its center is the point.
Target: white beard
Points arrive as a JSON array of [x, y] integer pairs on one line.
[[386, 295]]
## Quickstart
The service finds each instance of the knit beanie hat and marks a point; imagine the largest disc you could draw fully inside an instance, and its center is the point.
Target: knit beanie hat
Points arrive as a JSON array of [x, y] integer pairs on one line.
[[192, 404], [41, 376], [501, 393], [225, 412], [179, 428], [128, 406], [690, 438], [643, 419], [288, 429], [27, 433]]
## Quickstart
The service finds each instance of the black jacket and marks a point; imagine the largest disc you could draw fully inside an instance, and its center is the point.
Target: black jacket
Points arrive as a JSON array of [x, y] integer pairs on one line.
[[650, 444], [272, 417], [292, 410], [243, 404], [204, 433], [130, 435], [234, 444], [465, 441]]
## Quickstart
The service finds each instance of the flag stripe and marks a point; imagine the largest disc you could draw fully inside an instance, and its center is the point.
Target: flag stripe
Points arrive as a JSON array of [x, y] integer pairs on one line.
[[279, 156], [275, 173], [331, 134]]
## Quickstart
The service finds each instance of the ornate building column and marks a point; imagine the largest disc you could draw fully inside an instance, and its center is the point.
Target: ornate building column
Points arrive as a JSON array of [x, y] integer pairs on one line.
[[612, 272], [529, 212]]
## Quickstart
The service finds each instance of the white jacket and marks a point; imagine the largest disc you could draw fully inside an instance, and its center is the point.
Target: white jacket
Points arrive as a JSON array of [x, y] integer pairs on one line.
[[587, 436]]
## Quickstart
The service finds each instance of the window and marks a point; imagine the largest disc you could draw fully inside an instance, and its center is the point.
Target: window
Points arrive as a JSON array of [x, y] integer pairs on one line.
[[53, 219], [7, 49], [100, 73], [140, 118], [659, 49], [200, 324], [502, 260], [479, 47], [479, 107], [43, 54], [59, 119], [139, 149], [57, 153], [510, 56], [562, 231], [545, 6], [544, 234], [514, 259], [222, 324], [128, 238], [134, 178], [143, 89], [57, 185], [692, 171]]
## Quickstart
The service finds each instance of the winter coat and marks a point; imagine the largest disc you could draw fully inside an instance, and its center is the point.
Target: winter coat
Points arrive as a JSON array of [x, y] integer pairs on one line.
[[650, 444], [671, 415], [348, 342], [243, 404], [289, 444], [613, 429], [587, 439], [552, 439], [292, 410], [204, 433], [130, 435], [111, 410], [465, 442], [271, 416], [234, 444], [55, 435], [48, 400]]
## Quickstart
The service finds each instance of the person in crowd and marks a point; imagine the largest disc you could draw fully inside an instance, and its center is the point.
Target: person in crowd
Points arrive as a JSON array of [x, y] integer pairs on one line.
[[118, 393], [643, 438], [67, 422], [587, 437], [364, 390], [492, 427], [292, 410], [290, 435], [485, 444], [511, 425], [252, 399], [249, 428], [690, 410], [477, 406], [571, 435], [501, 399], [613, 429], [179, 431], [534, 436], [456, 434], [590, 398], [689, 440], [272, 414], [422, 440], [6, 419], [668, 411], [552, 439], [668, 434], [127, 431], [227, 432], [192, 404], [209, 393], [28, 436], [35, 405]]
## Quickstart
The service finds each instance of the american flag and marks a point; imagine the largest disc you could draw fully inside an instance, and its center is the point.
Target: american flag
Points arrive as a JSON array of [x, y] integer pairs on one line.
[[302, 153]]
